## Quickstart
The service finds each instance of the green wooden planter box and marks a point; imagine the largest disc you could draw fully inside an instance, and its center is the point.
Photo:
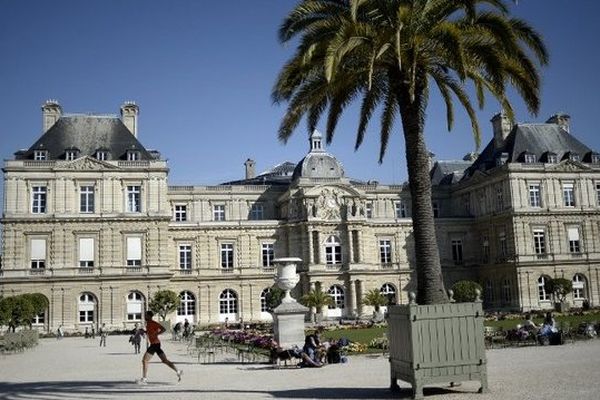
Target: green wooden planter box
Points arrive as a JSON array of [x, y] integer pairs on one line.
[[440, 343]]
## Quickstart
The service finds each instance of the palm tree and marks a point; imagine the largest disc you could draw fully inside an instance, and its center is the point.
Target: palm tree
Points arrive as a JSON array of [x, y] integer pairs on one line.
[[317, 298], [389, 53], [375, 299]]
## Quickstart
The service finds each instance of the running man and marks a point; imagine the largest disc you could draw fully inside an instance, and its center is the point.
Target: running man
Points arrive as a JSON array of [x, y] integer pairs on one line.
[[153, 329]]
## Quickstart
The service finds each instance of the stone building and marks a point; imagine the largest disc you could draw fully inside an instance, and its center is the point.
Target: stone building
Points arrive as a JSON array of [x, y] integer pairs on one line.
[[90, 222]]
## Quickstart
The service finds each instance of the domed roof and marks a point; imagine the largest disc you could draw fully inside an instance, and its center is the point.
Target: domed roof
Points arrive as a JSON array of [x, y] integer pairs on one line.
[[318, 163]]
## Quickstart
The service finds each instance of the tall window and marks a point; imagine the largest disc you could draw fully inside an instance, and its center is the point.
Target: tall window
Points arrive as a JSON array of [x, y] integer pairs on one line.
[[539, 241], [333, 250], [268, 254], [400, 207], [134, 251], [542, 294], [369, 209], [535, 199], [187, 304], [227, 255], [503, 248], [552, 158], [257, 211], [506, 291], [86, 307], [568, 194], [86, 199], [389, 291], [38, 253], [185, 256], [485, 250], [578, 287], [39, 319], [135, 304], [263, 300], [38, 199], [457, 251], [436, 209], [180, 212], [86, 252], [337, 295], [219, 212], [228, 303], [70, 155], [134, 198], [499, 198], [529, 158], [385, 251], [574, 242], [488, 292]]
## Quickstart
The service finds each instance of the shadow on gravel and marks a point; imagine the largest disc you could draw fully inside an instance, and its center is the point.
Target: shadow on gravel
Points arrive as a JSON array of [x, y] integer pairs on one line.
[[101, 390]]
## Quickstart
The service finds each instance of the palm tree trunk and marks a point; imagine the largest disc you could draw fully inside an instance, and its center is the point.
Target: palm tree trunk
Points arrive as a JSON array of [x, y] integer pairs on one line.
[[430, 284]]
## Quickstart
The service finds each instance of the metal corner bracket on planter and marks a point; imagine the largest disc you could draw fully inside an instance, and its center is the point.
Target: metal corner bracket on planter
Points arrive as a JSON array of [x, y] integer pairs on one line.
[[437, 343]]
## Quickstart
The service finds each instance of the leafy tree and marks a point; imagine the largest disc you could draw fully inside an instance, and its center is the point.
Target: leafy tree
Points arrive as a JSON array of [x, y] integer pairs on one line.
[[559, 287], [465, 291], [389, 53], [164, 302], [39, 302], [274, 297], [317, 298], [375, 299], [16, 311]]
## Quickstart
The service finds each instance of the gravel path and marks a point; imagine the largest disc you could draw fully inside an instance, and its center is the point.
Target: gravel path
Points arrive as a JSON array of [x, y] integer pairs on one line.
[[76, 368]]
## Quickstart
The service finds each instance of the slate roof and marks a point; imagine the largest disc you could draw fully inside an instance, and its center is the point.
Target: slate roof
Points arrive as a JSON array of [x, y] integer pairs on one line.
[[448, 172], [87, 133], [537, 139], [280, 174]]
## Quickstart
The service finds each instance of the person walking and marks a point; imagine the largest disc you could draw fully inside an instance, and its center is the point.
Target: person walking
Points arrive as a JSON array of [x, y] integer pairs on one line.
[[136, 338], [59, 332], [153, 329], [103, 332]]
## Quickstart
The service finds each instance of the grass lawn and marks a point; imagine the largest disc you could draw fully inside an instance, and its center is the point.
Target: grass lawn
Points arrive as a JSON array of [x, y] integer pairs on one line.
[[365, 335], [572, 320]]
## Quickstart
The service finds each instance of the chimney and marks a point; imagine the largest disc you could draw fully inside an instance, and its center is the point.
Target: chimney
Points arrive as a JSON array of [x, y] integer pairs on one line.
[[51, 112], [561, 119], [502, 127], [129, 116], [250, 173]]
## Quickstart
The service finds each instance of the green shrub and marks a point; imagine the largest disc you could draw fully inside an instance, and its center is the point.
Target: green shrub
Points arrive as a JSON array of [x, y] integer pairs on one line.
[[464, 291], [559, 287]]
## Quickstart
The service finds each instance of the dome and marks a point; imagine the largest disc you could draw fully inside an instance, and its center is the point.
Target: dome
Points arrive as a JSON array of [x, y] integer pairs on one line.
[[318, 163]]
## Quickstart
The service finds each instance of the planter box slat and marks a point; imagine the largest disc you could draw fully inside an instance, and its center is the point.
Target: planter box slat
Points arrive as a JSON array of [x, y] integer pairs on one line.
[[437, 343]]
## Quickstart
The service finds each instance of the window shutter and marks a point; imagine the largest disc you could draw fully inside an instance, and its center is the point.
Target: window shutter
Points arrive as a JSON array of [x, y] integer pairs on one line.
[[86, 249], [134, 248], [38, 249], [573, 234]]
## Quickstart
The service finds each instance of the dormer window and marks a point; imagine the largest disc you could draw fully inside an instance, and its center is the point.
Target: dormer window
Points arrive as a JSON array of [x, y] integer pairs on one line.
[[102, 155], [552, 158], [133, 155], [574, 157], [529, 158], [501, 159], [40, 155], [595, 158], [71, 154]]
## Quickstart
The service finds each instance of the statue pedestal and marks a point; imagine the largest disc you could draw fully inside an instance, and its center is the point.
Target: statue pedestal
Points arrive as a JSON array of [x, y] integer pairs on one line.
[[288, 324], [288, 317]]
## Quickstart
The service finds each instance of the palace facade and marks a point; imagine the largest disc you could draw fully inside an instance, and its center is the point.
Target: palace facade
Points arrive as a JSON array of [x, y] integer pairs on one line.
[[90, 221]]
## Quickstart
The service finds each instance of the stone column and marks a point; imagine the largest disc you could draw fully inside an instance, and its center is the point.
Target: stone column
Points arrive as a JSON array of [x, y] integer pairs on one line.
[[358, 287], [352, 298]]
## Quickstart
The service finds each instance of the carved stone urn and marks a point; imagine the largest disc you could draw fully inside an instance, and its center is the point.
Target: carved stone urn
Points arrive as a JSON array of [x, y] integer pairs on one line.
[[288, 317]]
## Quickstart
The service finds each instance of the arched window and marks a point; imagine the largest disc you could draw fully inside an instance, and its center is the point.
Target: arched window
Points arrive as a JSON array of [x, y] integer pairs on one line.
[[228, 305], [333, 250], [542, 294], [135, 305], [579, 286], [263, 300], [187, 304], [337, 294], [389, 291], [40, 319], [86, 307]]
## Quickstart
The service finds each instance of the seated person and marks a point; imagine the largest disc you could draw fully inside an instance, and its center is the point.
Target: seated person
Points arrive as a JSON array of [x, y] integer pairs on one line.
[[549, 326], [312, 343]]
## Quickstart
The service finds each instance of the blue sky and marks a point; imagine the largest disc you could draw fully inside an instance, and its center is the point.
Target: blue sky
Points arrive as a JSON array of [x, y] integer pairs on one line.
[[202, 73]]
